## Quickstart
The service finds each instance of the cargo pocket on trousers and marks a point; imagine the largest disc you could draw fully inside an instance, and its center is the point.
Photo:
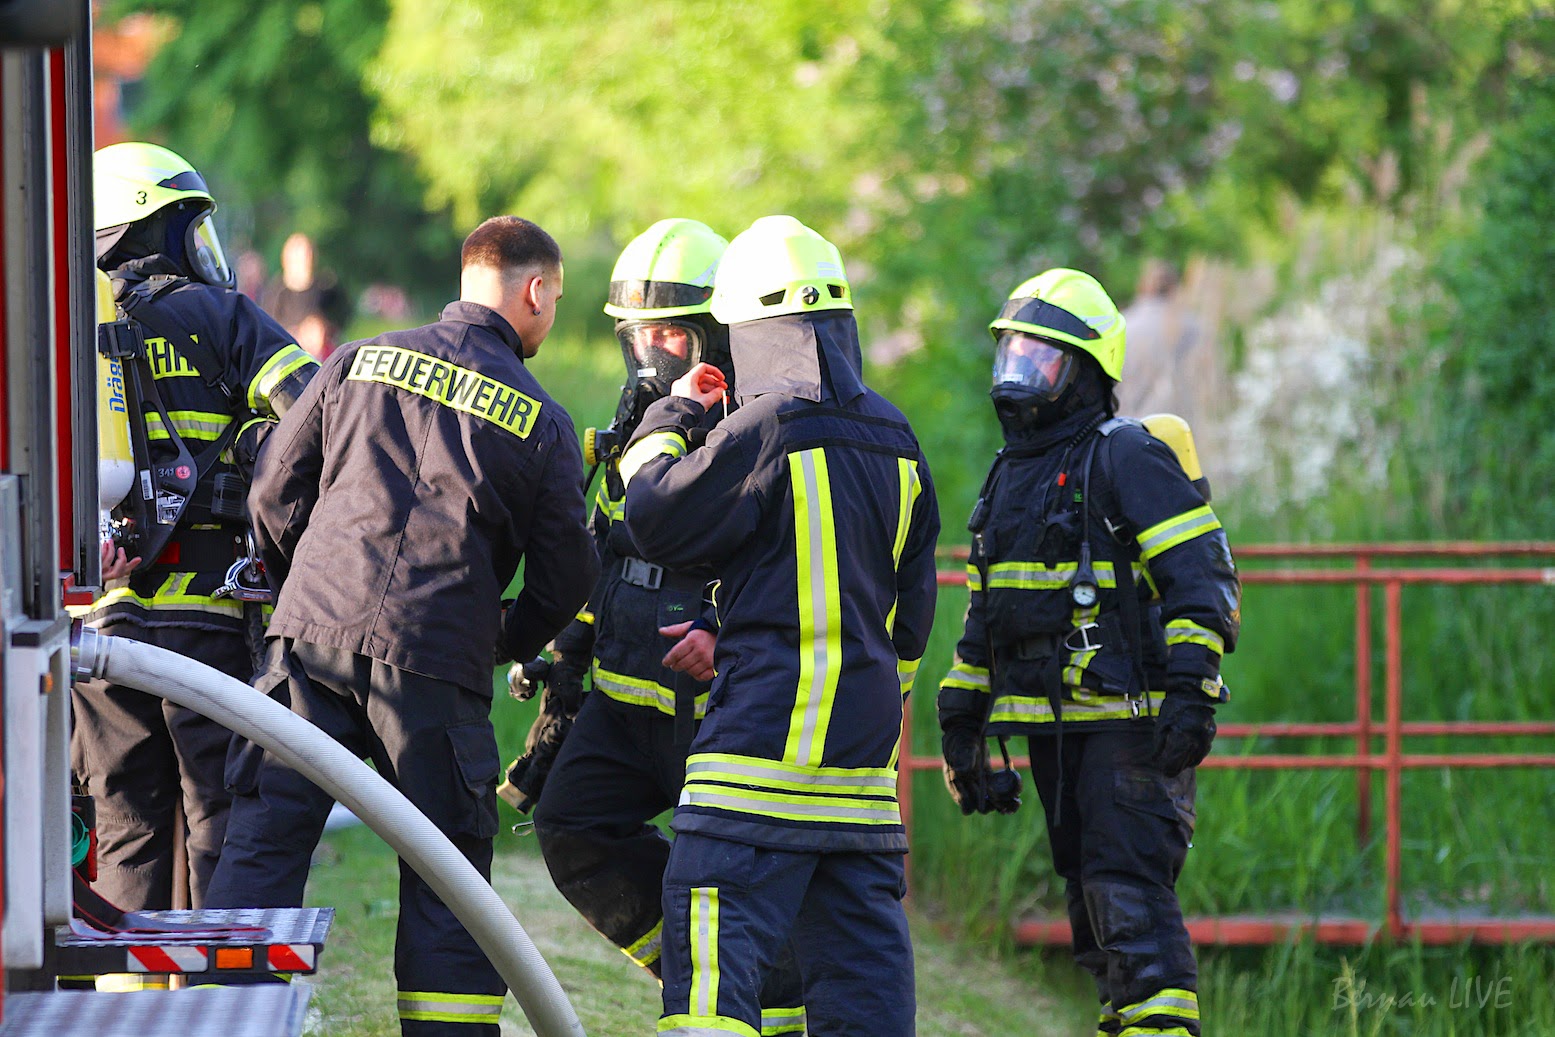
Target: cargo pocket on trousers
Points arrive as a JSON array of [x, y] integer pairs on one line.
[[475, 753], [241, 776]]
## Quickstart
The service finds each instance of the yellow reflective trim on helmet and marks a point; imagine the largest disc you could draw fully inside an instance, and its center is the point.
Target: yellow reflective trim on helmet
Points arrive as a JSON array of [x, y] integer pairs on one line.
[[285, 360], [1163, 536], [820, 607], [656, 444]]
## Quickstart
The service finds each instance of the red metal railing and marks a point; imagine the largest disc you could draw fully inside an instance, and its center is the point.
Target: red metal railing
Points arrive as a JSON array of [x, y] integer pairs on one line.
[[1391, 762]]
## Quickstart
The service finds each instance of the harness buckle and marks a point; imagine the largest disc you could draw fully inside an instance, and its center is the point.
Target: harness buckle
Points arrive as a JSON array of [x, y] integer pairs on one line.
[[1085, 645], [642, 574], [246, 578]]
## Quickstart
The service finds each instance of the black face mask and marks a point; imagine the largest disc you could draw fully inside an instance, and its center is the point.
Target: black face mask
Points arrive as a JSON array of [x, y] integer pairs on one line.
[[1025, 415]]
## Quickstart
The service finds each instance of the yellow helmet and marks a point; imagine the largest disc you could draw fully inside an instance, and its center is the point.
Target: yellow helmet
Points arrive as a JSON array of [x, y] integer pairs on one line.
[[779, 266], [133, 181], [1070, 308], [666, 271]]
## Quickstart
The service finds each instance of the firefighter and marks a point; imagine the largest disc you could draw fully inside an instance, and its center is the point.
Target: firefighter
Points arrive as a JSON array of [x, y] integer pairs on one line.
[[814, 505], [223, 372], [394, 505], [649, 633], [1103, 595]]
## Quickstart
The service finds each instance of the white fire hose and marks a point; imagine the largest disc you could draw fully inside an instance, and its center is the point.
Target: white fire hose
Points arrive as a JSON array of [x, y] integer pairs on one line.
[[333, 768]]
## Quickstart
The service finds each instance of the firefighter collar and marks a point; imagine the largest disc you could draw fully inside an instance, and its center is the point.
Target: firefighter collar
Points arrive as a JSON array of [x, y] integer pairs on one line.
[[808, 356], [485, 317]]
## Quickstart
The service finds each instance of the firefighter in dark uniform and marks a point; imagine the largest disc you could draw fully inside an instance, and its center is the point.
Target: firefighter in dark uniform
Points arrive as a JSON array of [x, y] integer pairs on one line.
[[394, 505], [223, 371], [1103, 595], [814, 505], [645, 639]]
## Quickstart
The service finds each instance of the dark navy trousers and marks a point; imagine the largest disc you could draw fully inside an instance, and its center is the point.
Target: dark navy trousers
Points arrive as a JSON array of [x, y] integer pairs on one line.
[[729, 907]]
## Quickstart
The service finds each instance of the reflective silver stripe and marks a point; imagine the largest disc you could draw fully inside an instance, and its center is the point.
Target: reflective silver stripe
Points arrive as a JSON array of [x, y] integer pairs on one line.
[[1183, 1004], [704, 952], [782, 1022], [812, 513], [961, 673], [755, 771], [462, 1008], [1166, 535], [820, 810], [1185, 631]]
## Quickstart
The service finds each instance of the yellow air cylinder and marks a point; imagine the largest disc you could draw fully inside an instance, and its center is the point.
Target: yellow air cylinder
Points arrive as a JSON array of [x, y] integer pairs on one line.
[[115, 458], [1175, 433]]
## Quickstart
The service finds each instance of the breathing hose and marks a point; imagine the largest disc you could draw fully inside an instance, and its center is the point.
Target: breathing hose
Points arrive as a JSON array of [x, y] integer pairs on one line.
[[333, 768]]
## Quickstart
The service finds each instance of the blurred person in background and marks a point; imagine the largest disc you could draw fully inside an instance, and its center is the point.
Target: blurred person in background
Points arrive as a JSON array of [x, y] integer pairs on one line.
[[306, 300], [1103, 594]]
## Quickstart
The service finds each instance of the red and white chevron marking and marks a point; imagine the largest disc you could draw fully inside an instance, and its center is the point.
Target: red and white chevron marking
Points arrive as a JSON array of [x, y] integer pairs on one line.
[[168, 959], [294, 957]]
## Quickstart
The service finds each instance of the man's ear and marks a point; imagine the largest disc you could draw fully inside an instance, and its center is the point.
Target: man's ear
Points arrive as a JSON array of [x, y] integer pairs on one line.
[[534, 291]]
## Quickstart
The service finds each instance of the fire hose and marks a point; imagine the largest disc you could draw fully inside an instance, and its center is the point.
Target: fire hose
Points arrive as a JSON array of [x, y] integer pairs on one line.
[[333, 768]]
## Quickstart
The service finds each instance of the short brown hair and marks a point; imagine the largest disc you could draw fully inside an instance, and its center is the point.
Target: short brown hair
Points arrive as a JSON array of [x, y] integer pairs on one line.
[[510, 243]]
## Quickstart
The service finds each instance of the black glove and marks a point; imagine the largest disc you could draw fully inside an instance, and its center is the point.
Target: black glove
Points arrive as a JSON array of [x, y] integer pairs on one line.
[[1184, 731], [967, 771], [564, 682], [527, 774]]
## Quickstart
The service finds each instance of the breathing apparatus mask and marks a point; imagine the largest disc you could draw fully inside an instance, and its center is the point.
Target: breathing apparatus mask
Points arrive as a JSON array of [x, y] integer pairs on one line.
[[184, 232], [1037, 383]]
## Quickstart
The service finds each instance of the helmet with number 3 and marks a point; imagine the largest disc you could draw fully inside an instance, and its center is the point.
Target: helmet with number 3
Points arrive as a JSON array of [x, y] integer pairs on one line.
[[149, 200]]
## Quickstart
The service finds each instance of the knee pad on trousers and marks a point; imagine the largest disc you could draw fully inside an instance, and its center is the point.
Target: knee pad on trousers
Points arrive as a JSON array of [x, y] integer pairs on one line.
[[1141, 931]]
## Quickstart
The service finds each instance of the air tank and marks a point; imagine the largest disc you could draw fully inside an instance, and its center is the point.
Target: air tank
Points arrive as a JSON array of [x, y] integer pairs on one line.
[[115, 458]]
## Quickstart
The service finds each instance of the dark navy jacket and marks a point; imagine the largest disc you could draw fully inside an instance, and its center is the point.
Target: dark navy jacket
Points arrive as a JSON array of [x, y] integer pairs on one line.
[[815, 506], [396, 499]]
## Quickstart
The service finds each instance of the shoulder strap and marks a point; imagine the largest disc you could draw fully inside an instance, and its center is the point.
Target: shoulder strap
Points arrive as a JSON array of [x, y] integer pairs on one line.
[[138, 300]]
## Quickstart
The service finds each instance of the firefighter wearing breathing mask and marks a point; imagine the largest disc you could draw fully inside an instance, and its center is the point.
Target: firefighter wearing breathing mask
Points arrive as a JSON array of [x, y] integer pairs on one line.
[[210, 373], [601, 766], [1103, 594]]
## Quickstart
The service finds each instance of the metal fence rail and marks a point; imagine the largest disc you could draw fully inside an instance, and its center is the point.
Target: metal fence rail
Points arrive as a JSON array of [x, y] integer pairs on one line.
[[1390, 762]]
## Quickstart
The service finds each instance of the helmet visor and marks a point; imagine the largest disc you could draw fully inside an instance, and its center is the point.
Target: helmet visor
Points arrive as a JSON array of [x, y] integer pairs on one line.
[[1033, 363], [206, 255], [659, 349]]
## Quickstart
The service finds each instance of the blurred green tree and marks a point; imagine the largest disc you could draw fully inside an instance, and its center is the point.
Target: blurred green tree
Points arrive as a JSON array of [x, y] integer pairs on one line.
[[267, 100]]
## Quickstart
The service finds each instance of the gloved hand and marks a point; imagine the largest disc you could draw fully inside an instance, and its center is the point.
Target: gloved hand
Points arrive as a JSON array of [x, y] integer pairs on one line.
[[1184, 731], [564, 683], [967, 771], [526, 775]]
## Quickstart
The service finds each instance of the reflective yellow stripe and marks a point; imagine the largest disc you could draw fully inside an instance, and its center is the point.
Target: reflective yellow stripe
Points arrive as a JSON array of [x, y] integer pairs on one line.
[[647, 950], [449, 384], [907, 490], [965, 676], [282, 363], [1163, 536], [585, 616], [781, 1022], [695, 1025], [1026, 709], [174, 593], [974, 577], [1155, 1031], [657, 444], [907, 672], [167, 362], [614, 510], [820, 608], [1037, 576], [704, 950], [1187, 632], [1173, 1001], [189, 424], [748, 784], [439, 1007], [635, 691]]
